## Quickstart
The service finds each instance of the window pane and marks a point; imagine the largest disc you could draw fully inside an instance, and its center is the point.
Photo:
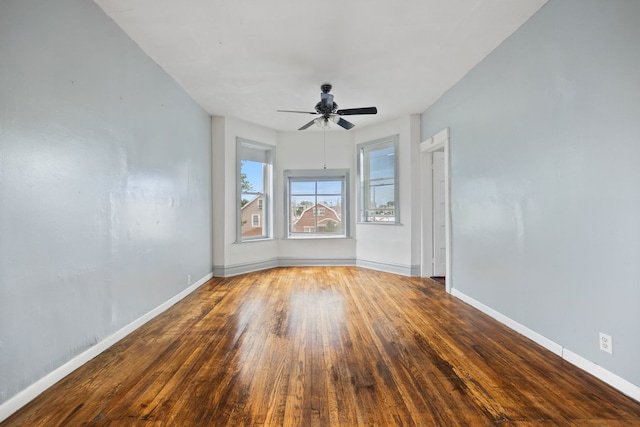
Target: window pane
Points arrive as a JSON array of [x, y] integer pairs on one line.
[[306, 201], [329, 187], [382, 196], [252, 176], [299, 203], [382, 163], [330, 201], [303, 187], [251, 198], [330, 218], [251, 181]]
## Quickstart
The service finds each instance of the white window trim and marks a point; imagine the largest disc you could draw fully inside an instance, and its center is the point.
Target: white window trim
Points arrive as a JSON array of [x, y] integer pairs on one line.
[[382, 142], [255, 220], [312, 174], [267, 195]]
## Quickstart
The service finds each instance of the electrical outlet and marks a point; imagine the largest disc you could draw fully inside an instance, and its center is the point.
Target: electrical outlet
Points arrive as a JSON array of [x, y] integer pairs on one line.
[[188, 279], [606, 343]]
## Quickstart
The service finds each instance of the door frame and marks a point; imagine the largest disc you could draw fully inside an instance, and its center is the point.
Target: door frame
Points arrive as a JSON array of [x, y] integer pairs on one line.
[[438, 142]]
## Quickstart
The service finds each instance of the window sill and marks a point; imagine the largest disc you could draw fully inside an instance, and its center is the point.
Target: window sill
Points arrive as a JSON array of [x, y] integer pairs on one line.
[[265, 239], [378, 223], [317, 238]]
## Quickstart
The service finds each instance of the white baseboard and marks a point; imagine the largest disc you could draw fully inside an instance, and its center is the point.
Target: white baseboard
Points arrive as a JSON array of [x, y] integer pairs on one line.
[[521, 329], [315, 262], [626, 387], [403, 270], [597, 371], [248, 267], [28, 394]]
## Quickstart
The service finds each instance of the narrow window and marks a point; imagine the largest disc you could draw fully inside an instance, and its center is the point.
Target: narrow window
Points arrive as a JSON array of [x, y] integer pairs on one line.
[[378, 179], [254, 184]]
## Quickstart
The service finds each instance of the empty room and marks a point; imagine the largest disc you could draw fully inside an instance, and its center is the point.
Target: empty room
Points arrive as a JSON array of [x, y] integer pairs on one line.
[[333, 214]]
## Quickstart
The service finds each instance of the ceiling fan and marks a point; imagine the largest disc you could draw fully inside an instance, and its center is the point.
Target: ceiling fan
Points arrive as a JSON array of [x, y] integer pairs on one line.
[[328, 111]]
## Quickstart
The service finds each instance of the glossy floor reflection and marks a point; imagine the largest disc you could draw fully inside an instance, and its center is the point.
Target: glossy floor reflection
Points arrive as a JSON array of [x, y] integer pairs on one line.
[[334, 346]]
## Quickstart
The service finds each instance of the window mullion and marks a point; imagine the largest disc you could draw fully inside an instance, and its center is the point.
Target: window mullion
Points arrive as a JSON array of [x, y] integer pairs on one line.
[[315, 209]]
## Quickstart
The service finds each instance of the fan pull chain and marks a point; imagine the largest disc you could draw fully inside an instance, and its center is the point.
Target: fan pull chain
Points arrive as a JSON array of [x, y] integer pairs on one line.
[[324, 136]]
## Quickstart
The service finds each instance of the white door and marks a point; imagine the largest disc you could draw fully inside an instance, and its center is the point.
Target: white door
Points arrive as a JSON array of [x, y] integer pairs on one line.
[[439, 230]]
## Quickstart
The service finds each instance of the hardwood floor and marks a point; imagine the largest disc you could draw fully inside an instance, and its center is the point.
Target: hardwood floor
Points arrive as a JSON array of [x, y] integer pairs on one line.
[[328, 347]]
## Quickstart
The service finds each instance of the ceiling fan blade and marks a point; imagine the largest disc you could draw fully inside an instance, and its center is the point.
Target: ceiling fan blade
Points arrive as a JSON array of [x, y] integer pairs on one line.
[[354, 111], [345, 124], [295, 111], [307, 125]]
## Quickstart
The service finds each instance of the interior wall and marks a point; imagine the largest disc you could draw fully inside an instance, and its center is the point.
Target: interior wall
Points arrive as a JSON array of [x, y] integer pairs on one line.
[[545, 186], [368, 244], [105, 202], [395, 247], [306, 150], [230, 256]]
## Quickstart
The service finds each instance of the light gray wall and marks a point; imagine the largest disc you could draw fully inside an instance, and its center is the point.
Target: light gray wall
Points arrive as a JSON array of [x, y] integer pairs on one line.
[[105, 204], [398, 245], [545, 183]]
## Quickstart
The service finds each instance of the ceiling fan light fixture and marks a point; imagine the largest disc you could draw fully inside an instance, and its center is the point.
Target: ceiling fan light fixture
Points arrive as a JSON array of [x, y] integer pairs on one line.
[[322, 122], [334, 118]]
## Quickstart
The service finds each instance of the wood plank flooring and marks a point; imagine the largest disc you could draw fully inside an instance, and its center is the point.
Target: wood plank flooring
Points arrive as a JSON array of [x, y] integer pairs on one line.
[[335, 346]]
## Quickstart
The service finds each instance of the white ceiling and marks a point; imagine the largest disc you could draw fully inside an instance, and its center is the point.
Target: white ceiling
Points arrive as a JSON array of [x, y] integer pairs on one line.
[[249, 58]]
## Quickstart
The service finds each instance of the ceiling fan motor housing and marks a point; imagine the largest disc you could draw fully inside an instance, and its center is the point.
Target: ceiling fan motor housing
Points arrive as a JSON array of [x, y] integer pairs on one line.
[[326, 110]]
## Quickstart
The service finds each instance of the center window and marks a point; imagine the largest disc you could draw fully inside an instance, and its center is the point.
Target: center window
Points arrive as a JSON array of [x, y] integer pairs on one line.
[[317, 203]]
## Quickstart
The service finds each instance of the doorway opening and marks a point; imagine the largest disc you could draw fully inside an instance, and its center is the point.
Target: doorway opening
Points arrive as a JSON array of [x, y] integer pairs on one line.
[[436, 212], [440, 279]]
